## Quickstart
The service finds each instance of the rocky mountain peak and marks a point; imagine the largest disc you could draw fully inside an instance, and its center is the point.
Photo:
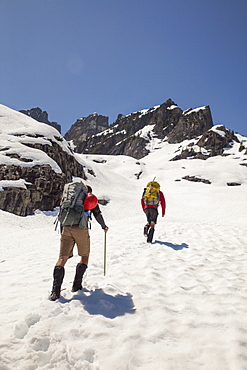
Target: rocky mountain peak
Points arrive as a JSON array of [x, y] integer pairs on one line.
[[132, 133], [86, 127], [41, 116]]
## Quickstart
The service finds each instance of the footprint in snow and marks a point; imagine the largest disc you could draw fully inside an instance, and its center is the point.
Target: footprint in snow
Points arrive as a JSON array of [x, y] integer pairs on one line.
[[22, 328]]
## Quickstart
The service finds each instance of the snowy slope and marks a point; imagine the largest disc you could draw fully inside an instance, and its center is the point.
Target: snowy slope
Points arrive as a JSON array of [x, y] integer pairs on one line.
[[179, 303], [17, 129]]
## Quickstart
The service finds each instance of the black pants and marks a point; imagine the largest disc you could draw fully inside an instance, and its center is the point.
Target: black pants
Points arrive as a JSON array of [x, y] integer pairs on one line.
[[152, 214]]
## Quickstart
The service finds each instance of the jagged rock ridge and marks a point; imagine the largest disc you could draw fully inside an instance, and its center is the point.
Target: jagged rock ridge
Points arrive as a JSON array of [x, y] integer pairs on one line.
[[130, 134], [41, 116]]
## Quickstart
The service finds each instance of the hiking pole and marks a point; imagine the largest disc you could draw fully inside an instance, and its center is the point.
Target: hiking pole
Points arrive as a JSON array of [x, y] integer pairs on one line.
[[105, 254]]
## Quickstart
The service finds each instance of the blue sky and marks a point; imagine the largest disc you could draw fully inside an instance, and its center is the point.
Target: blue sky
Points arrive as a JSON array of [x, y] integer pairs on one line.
[[76, 57]]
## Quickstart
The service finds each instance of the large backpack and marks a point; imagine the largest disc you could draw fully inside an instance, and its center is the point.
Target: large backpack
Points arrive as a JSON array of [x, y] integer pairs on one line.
[[151, 194], [72, 209]]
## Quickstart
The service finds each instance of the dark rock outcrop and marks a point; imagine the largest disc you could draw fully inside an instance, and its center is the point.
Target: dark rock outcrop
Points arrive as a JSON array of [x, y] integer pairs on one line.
[[44, 185], [84, 128], [43, 192], [189, 153], [41, 116], [191, 124], [216, 140], [212, 143], [196, 179]]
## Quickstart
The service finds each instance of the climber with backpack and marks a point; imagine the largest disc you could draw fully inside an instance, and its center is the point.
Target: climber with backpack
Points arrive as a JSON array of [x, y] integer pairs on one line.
[[151, 198], [77, 204]]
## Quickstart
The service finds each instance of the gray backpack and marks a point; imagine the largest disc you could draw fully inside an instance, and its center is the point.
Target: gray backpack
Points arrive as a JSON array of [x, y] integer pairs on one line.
[[72, 209]]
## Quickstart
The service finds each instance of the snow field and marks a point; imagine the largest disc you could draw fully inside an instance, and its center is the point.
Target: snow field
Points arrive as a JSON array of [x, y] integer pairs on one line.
[[178, 303]]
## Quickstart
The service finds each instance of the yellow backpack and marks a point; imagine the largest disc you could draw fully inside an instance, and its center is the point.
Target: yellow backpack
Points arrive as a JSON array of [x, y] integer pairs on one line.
[[151, 194]]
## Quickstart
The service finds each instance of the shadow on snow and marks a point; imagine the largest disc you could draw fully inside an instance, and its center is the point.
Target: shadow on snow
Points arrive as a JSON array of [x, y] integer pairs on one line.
[[98, 302], [176, 247]]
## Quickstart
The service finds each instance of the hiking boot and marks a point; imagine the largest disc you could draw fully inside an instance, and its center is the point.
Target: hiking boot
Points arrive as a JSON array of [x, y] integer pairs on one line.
[[76, 288], [58, 275], [54, 296], [80, 269], [146, 228], [150, 235]]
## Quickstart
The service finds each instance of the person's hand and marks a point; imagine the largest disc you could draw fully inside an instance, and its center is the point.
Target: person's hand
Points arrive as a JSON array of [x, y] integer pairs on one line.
[[106, 229]]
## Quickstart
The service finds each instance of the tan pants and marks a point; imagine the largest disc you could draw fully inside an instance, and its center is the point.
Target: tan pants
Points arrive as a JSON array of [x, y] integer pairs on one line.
[[72, 235]]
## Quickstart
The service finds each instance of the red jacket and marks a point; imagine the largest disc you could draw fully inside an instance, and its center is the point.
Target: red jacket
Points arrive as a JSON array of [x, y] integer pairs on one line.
[[162, 202]]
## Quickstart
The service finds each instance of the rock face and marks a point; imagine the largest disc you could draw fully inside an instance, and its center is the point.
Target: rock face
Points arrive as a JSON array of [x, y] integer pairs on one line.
[[191, 123], [210, 144], [84, 128], [35, 163], [41, 116], [44, 186], [216, 140], [131, 134], [43, 192]]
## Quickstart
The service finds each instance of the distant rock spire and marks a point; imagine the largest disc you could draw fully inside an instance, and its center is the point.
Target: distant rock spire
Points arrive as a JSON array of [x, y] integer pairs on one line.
[[41, 116]]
